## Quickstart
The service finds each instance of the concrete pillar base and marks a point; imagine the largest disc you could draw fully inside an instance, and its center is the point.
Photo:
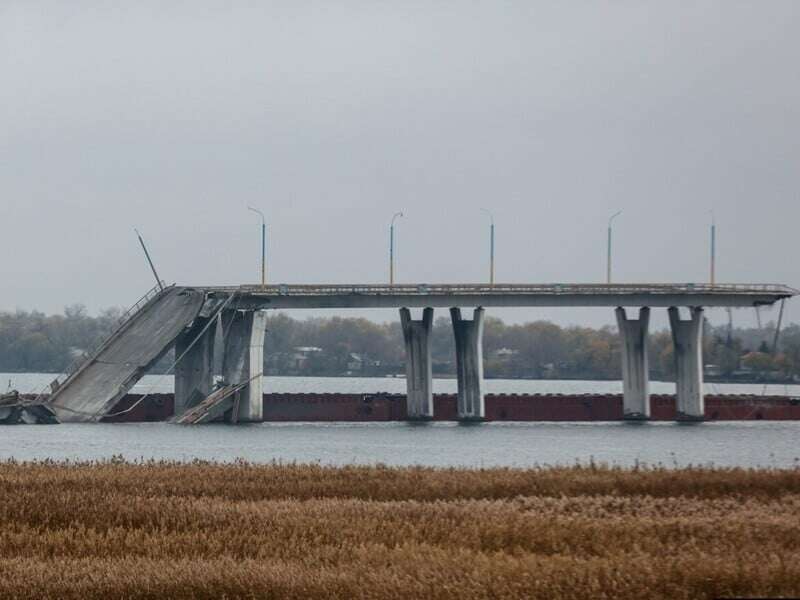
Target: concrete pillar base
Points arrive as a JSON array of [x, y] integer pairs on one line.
[[419, 372], [635, 418], [685, 419], [635, 374], [471, 420], [423, 419], [244, 362], [469, 365], [687, 339], [194, 373]]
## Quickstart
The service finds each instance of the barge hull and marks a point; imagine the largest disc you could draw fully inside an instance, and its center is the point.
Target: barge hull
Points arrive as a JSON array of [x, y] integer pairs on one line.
[[499, 407]]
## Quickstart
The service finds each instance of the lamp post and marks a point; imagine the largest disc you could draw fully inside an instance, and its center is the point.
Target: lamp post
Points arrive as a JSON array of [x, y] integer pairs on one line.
[[491, 245], [610, 222], [391, 247], [263, 245], [149, 261], [713, 248]]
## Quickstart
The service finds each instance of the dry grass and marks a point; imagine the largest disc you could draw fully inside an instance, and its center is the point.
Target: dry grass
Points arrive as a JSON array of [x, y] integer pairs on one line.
[[154, 530]]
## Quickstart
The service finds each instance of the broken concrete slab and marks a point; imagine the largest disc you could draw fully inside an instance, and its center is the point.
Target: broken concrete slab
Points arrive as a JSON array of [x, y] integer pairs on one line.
[[211, 408]]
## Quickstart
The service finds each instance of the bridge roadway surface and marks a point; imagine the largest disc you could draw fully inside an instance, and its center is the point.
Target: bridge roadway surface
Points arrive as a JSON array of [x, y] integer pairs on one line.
[[255, 297], [90, 390]]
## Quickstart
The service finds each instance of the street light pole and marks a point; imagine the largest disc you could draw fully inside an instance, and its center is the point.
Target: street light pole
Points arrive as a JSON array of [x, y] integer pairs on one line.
[[713, 248], [610, 221], [263, 245], [391, 247], [149, 261], [491, 246]]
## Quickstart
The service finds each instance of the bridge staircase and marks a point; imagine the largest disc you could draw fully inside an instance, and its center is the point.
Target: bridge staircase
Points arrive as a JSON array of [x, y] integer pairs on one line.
[[98, 379]]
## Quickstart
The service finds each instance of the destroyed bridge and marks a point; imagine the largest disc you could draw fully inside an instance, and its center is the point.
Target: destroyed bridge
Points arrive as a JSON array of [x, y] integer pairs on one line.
[[188, 319]]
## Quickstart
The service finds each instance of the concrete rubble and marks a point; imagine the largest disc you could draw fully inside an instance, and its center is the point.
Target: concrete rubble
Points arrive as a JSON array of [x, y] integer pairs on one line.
[[212, 407], [16, 409]]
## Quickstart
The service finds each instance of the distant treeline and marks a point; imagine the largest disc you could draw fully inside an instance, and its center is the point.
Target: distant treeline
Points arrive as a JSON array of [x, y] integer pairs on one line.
[[32, 341]]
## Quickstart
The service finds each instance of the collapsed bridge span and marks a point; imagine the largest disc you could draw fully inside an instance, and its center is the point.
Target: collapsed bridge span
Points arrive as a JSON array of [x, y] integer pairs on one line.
[[111, 371]]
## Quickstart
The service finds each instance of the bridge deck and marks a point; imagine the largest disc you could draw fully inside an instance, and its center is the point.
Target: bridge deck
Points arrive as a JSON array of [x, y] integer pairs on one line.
[[503, 295]]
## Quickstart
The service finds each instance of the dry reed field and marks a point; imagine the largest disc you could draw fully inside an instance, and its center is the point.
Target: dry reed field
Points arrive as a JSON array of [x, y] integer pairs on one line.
[[199, 530]]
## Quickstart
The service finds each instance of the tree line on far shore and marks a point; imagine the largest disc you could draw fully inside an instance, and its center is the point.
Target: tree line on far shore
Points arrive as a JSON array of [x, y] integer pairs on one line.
[[34, 342]]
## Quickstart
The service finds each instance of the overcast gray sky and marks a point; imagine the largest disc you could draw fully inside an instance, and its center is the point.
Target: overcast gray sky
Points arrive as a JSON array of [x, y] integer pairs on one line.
[[173, 117]]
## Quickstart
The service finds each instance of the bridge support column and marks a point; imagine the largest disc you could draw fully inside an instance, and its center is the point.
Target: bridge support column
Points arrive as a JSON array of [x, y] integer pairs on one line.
[[194, 373], [687, 340], [469, 364], [244, 361], [635, 375], [419, 372]]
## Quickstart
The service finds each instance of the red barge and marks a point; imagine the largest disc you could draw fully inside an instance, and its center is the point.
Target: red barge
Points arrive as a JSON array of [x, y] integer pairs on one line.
[[499, 407]]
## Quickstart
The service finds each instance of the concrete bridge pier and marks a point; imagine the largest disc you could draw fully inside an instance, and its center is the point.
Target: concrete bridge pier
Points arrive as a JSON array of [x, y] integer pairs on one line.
[[243, 361], [419, 373], [469, 364], [687, 339], [635, 375], [194, 373]]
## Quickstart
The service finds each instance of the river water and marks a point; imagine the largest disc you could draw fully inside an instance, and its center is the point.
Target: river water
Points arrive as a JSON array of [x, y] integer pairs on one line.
[[749, 444], [744, 443]]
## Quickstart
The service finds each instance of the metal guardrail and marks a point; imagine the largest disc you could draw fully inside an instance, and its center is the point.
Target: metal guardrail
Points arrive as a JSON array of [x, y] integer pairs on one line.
[[503, 289], [123, 320]]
